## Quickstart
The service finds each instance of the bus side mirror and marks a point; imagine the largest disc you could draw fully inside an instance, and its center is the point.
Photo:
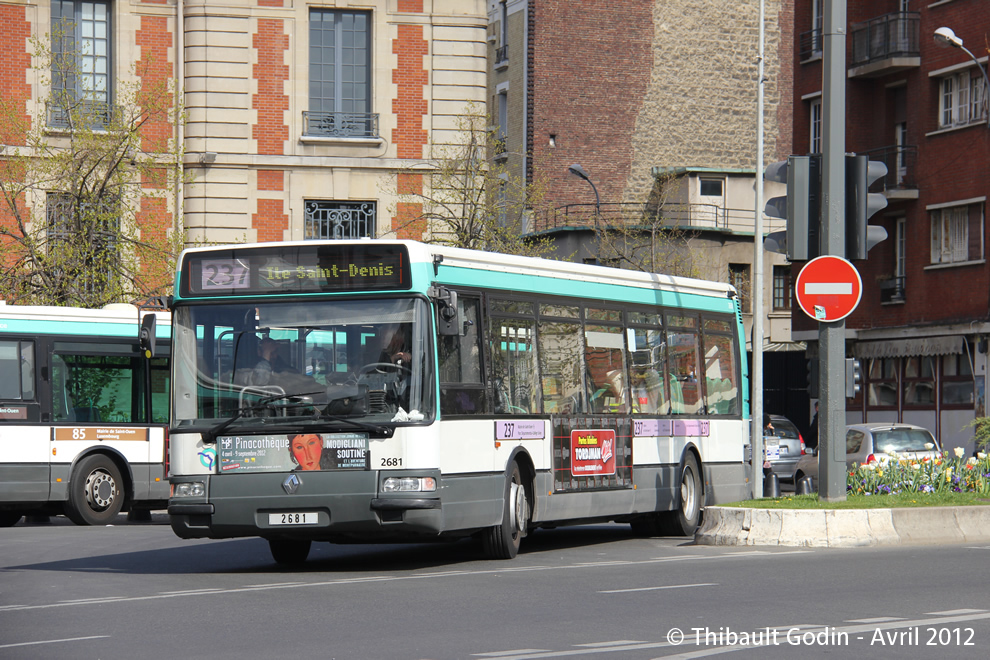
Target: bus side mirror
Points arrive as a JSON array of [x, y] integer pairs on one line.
[[146, 336], [447, 315]]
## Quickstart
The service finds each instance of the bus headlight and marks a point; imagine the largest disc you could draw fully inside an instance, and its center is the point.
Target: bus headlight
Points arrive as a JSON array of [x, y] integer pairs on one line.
[[409, 485], [189, 489]]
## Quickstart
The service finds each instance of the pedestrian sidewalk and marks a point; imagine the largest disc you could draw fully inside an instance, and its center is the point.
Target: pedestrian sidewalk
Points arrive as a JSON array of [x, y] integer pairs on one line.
[[844, 527]]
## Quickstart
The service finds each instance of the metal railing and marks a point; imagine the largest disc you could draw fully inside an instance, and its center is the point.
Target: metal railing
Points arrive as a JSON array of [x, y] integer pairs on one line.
[[340, 124], [93, 114], [900, 161], [810, 43], [671, 214], [891, 35], [501, 55], [892, 290]]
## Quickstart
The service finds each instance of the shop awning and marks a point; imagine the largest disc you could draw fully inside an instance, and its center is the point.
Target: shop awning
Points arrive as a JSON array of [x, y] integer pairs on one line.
[[909, 347]]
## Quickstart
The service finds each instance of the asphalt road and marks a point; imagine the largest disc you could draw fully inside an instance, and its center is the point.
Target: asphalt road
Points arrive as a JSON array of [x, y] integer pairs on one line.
[[134, 590]]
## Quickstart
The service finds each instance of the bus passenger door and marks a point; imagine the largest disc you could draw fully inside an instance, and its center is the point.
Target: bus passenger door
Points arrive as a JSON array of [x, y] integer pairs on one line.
[[24, 468]]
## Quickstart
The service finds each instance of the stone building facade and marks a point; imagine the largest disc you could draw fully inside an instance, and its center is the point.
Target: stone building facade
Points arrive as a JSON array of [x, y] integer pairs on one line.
[[301, 119], [634, 90]]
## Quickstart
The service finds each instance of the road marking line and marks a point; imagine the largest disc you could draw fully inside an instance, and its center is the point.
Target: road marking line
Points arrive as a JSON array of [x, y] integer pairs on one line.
[[671, 586], [53, 641]]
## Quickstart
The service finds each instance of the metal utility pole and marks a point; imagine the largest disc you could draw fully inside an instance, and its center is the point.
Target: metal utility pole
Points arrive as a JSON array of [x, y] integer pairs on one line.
[[831, 336], [756, 293]]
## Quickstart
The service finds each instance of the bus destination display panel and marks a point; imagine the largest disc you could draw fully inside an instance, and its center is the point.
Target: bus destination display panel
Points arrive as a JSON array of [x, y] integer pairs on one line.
[[296, 269]]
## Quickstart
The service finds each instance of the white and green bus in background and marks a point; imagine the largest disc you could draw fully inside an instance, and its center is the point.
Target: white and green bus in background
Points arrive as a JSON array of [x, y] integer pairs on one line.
[[365, 391], [83, 412]]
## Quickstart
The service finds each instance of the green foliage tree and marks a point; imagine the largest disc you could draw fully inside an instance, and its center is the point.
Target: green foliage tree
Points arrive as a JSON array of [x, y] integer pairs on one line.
[[652, 239], [470, 197], [86, 183]]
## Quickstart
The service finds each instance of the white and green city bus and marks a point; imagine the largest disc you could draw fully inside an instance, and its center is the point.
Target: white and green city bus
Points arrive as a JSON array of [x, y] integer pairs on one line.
[[83, 412], [363, 391]]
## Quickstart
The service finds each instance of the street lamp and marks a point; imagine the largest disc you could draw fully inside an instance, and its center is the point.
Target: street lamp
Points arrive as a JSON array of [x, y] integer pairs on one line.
[[946, 37], [578, 171]]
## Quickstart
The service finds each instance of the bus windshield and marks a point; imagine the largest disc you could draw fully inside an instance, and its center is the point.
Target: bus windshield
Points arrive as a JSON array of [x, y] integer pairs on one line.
[[302, 363]]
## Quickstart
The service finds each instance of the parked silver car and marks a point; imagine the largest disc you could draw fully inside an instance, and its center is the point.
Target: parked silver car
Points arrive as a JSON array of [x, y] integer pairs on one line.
[[784, 447], [866, 443]]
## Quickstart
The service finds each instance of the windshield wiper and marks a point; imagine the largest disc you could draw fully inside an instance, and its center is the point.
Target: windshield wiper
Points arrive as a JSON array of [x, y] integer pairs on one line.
[[211, 435], [365, 426]]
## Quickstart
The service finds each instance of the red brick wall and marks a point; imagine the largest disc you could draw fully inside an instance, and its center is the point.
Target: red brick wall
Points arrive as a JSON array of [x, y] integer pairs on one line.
[[155, 70], [271, 101], [271, 131], [410, 108], [15, 30], [589, 76]]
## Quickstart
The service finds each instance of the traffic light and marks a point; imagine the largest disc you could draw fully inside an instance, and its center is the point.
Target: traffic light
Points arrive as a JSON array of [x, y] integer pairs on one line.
[[854, 378], [800, 208], [861, 172], [146, 335], [813, 378]]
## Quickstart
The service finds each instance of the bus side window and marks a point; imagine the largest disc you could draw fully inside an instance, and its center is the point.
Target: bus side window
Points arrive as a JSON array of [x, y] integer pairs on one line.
[[17, 365], [461, 388]]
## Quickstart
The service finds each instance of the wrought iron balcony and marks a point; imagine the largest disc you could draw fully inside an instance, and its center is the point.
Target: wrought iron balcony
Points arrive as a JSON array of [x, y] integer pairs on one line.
[[85, 114], [632, 215], [810, 43], [885, 44], [900, 161], [502, 56], [340, 124], [892, 290]]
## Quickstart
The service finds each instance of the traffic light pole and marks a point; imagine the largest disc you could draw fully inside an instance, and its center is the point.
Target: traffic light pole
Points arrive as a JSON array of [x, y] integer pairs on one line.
[[831, 336]]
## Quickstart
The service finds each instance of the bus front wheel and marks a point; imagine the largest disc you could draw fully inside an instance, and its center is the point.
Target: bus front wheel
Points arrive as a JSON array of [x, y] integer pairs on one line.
[[502, 541], [289, 552], [96, 493]]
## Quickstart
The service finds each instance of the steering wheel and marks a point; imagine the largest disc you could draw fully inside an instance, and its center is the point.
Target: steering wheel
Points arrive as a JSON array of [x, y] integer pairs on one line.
[[384, 367]]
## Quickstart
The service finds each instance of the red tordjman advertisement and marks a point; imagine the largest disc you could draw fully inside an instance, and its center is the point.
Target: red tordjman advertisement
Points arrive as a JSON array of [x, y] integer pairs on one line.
[[592, 452]]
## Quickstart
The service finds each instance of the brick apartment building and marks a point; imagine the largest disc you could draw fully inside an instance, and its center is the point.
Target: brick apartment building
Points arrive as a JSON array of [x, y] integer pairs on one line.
[[921, 328], [636, 91], [302, 119]]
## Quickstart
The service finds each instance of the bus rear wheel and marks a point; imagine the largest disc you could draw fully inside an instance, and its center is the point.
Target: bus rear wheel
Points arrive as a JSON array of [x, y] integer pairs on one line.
[[289, 552], [684, 520], [502, 541], [96, 493]]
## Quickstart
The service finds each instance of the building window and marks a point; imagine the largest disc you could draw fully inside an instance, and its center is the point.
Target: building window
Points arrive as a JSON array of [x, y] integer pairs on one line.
[[339, 220], [90, 263], [816, 127], [502, 128], [739, 278], [340, 75], [783, 290], [951, 234], [81, 82], [816, 27], [710, 187], [961, 100], [881, 383], [957, 381], [919, 381]]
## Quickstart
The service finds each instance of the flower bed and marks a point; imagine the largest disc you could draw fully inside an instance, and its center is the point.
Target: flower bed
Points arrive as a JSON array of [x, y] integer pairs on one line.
[[946, 473]]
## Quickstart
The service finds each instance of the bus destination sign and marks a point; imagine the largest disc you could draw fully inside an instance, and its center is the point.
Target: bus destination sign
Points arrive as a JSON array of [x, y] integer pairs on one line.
[[296, 269]]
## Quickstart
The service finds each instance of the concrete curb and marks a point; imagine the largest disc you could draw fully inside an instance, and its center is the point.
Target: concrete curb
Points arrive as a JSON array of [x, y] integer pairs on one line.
[[844, 528]]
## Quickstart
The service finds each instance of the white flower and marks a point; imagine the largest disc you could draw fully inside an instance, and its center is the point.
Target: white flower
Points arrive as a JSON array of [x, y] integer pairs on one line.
[[929, 446], [980, 455], [971, 461], [915, 466], [958, 452]]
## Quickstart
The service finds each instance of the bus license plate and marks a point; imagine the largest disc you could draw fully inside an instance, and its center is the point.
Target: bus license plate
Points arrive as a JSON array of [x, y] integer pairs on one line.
[[294, 518]]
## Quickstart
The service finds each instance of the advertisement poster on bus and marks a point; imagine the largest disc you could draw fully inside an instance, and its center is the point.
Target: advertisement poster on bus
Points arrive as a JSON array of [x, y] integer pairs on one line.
[[592, 452], [294, 452]]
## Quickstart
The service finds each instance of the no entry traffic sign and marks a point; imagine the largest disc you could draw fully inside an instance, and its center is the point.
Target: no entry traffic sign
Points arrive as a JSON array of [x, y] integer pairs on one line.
[[828, 288]]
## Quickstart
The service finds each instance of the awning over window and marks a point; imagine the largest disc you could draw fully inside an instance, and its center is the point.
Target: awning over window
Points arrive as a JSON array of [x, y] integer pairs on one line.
[[909, 347]]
